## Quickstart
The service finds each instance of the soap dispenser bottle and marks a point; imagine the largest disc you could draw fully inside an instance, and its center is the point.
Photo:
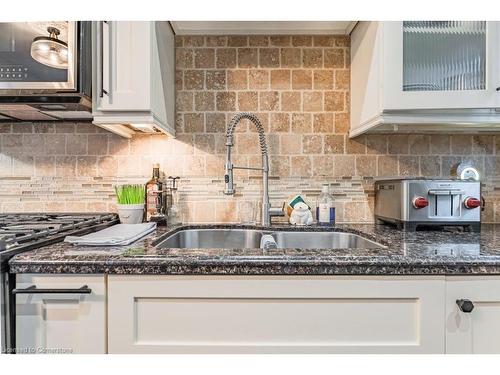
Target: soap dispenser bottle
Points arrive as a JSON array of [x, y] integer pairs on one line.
[[325, 211]]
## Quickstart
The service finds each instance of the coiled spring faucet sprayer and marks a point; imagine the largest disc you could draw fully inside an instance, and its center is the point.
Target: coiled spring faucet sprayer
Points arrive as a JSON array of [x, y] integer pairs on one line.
[[267, 211]]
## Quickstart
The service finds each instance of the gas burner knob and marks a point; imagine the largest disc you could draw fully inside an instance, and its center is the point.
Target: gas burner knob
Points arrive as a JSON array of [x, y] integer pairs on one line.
[[420, 202], [471, 202]]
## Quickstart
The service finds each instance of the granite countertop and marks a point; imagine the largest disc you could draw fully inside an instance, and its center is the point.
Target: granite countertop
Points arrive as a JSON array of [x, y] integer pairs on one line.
[[446, 252]]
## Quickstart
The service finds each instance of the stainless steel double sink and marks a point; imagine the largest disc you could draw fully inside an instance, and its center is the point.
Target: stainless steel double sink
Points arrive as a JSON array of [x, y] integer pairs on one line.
[[225, 238]]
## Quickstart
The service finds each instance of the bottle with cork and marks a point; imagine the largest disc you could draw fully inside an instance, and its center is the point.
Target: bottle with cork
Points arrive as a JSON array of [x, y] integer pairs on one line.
[[154, 205]]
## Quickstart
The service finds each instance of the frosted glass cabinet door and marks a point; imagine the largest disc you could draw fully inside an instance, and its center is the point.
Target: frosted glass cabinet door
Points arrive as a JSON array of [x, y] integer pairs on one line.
[[441, 64]]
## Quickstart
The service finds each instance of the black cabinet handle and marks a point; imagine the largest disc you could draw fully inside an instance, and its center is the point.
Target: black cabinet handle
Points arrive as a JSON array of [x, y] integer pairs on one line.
[[498, 88], [465, 305], [34, 290], [102, 91]]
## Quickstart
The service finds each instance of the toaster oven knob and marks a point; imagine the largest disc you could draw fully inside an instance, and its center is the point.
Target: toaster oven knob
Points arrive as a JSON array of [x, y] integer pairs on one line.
[[420, 202], [470, 202]]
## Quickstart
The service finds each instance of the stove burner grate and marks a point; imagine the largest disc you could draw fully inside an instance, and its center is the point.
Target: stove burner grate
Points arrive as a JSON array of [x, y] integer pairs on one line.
[[22, 228]]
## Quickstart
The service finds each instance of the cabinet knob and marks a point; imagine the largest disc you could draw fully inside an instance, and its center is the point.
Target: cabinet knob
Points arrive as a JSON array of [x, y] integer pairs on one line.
[[465, 305]]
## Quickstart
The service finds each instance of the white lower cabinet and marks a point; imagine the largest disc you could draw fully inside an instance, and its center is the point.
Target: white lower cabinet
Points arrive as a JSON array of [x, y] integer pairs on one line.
[[61, 322], [258, 314], [477, 331], [275, 314]]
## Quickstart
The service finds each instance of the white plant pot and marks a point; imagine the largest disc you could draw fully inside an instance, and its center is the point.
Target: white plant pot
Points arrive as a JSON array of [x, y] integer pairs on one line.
[[130, 213]]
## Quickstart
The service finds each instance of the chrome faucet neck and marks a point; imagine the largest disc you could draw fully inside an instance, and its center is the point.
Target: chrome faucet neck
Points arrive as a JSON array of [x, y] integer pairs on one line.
[[229, 166]]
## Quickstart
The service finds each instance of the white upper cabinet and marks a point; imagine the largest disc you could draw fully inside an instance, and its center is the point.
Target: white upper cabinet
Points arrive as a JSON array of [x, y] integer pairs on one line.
[[440, 64], [134, 75], [125, 83], [426, 75]]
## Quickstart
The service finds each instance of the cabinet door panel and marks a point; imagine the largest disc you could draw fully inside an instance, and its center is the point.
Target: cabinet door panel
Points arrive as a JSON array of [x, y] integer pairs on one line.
[[277, 322], [479, 330], [126, 66], [168, 314], [421, 72], [71, 323]]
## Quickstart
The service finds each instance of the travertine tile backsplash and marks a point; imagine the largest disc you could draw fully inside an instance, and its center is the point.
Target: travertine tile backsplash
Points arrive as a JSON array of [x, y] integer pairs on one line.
[[299, 88]]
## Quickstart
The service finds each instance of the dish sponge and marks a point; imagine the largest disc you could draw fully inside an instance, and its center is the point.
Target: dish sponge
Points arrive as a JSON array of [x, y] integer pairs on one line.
[[292, 201]]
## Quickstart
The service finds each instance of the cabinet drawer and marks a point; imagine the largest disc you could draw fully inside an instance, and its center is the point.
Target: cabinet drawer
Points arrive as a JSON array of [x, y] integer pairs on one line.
[[61, 322], [275, 315]]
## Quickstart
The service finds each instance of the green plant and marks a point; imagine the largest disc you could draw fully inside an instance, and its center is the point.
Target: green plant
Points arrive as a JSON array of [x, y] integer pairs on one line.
[[130, 194]]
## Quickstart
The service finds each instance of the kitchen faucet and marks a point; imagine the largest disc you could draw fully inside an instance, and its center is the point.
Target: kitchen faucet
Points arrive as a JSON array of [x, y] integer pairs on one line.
[[267, 211]]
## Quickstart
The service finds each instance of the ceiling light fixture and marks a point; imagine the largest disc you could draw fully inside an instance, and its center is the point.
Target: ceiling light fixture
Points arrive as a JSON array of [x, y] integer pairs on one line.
[[49, 50]]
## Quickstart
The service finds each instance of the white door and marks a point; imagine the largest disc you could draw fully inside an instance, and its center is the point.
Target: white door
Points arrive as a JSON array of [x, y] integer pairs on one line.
[[61, 323], [124, 66], [280, 314], [476, 331], [440, 65]]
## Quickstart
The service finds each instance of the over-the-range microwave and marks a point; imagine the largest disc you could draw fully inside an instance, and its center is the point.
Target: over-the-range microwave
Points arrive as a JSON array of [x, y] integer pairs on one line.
[[45, 71]]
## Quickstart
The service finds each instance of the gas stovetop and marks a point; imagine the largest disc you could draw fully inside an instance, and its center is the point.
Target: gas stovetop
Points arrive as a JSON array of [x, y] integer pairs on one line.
[[20, 230]]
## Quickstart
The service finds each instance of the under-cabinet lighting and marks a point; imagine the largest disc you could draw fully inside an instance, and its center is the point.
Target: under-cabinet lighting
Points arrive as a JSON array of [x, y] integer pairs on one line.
[[147, 128]]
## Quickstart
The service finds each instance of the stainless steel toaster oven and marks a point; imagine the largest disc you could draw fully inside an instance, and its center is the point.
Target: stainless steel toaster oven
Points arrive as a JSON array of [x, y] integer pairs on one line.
[[411, 203]]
